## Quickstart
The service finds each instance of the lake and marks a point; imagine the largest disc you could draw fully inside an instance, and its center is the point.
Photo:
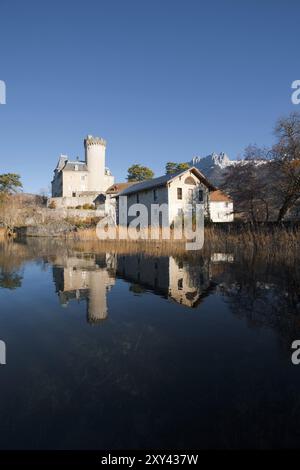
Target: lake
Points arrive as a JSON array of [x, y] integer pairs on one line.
[[112, 350]]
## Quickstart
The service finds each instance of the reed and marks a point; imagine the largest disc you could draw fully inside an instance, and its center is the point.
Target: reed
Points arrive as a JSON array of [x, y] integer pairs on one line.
[[2, 233], [270, 239]]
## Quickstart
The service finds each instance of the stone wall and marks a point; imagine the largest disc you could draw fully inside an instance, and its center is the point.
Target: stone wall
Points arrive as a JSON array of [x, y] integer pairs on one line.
[[64, 202], [45, 215]]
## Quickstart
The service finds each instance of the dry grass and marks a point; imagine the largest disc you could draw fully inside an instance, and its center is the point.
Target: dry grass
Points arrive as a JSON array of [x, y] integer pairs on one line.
[[270, 239], [280, 245], [2, 233], [261, 235]]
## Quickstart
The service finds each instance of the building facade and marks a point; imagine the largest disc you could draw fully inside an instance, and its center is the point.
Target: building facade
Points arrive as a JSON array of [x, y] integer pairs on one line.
[[220, 207], [179, 193], [82, 179]]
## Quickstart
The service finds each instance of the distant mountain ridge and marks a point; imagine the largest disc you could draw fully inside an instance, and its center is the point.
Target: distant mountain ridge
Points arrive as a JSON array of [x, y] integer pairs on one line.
[[214, 166]]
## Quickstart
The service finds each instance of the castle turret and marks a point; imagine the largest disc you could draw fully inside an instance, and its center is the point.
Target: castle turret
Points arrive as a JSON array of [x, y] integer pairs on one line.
[[95, 160]]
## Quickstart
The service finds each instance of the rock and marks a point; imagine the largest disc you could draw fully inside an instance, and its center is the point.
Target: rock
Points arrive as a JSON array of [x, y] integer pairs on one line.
[[53, 229]]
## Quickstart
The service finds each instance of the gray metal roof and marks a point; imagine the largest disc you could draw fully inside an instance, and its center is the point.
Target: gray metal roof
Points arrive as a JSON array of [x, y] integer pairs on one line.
[[147, 184], [70, 166], [162, 181]]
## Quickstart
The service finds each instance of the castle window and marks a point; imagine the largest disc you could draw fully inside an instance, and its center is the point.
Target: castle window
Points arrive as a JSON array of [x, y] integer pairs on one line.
[[180, 284], [179, 193]]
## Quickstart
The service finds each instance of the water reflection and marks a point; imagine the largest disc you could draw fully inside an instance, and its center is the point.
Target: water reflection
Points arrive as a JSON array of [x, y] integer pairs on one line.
[[207, 334], [264, 293], [90, 277], [11, 272], [180, 280], [87, 278]]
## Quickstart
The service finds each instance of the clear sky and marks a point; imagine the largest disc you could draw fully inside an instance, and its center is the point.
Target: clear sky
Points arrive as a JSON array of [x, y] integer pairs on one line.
[[159, 80]]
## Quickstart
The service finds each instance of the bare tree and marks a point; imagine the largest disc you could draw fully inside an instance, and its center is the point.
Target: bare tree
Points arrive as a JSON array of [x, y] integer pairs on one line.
[[286, 153], [255, 153], [244, 183]]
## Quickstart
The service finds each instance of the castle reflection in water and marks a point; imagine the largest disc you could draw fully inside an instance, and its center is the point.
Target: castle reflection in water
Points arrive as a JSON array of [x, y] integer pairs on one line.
[[90, 277], [87, 278]]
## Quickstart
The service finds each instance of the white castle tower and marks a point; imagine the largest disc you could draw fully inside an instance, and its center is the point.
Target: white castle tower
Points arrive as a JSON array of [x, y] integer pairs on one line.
[[95, 160]]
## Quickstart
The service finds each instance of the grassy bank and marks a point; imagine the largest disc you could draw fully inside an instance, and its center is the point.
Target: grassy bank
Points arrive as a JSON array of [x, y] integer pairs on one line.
[[266, 237]]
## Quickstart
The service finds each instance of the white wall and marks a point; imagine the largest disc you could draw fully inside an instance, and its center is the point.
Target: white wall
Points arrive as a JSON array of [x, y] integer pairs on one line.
[[176, 204], [74, 181], [108, 181], [221, 211], [147, 198]]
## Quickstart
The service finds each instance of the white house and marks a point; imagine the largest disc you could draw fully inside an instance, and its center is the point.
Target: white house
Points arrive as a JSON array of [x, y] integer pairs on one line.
[[179, 191], [220, 207]]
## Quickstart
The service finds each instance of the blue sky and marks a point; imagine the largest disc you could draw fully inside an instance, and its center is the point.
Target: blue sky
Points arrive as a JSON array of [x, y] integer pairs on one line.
[[159, 80]]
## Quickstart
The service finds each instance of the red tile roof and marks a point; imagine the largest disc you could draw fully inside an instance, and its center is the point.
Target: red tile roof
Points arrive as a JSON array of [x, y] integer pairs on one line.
[[118, 187], [219, 196]]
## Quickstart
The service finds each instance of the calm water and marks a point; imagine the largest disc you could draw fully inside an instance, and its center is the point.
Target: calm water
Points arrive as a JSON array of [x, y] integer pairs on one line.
[[112, 351]]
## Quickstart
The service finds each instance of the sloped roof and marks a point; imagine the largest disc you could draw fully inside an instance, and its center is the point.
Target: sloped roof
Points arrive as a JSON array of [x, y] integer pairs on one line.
[[70, 166], [118, 187], [219, 196], [61, 162], [163, 181]]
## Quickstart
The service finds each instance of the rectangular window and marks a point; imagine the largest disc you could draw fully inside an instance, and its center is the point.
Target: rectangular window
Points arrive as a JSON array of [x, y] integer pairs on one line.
[[83, 178], [201, 195], [179, 193], [190, 195], [154, 195], [137, 198]]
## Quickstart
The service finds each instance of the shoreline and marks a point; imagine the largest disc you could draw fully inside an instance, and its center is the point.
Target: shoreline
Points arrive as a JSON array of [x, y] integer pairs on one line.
[[272, 239]]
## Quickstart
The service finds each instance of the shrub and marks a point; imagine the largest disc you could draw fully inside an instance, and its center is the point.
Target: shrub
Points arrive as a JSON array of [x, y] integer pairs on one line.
[[52, 205], [88, 206]]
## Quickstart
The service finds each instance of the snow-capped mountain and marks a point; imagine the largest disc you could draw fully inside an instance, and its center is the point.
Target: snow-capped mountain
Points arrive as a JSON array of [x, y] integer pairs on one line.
[[213, 166], [220, 159]]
